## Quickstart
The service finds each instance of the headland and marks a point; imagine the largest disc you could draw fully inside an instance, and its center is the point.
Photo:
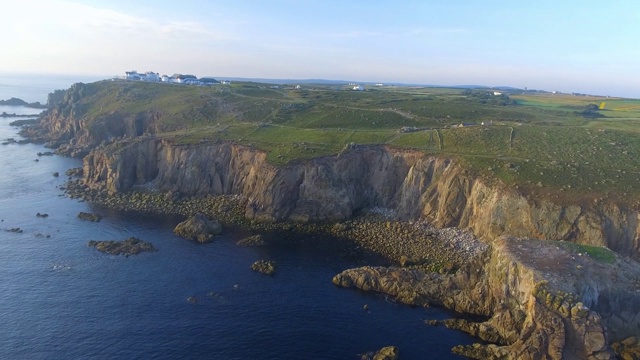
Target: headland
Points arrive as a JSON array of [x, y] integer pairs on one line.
[[477, 203]]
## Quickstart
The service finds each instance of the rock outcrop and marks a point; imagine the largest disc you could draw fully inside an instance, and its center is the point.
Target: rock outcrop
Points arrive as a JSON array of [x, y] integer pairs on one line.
[[198, 228], [252, 241], [89, 216], [628, 349], [130, 246], [387, 353], [543, 299], [264, 267], [333, 188]]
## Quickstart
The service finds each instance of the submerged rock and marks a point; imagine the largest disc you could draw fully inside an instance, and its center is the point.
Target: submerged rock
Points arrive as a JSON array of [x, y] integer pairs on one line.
[[43, 215], [255, 240], [131, 246], [264, 267], [199, 228], [89, 217]]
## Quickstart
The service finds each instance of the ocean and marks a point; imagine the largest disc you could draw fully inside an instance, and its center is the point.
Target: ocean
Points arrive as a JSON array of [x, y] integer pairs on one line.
[[60, 299]]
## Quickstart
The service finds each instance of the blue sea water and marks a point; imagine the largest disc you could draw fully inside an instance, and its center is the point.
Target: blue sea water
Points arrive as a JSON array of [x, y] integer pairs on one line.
[[60, 299]]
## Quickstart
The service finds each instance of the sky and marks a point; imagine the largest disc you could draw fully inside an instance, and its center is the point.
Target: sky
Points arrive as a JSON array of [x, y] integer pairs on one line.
[[562, 45]]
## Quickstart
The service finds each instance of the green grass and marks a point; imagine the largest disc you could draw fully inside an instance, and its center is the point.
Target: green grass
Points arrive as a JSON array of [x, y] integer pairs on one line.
[[597, 253], [542, 144]]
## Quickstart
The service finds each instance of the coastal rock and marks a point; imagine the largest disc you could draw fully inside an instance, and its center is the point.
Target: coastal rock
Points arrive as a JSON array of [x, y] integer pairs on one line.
[[399, 282], [89, 216], [23, 122], [55, 174], [130, 246], [628, 349], [43, 215], [541, 299], [198, 228], [255, 240], [74, 172], [387, 353], [264, 267]]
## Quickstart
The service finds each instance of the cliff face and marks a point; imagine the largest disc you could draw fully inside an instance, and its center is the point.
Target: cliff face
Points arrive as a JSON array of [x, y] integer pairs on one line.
[[333, 188], [543, 301], [67, 126]]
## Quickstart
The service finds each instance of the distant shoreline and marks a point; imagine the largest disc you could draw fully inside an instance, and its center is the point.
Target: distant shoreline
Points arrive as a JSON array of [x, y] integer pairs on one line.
[[5, 115], [19, 102]]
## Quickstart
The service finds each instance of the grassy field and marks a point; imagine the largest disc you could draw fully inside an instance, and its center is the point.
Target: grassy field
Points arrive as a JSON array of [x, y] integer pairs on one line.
[[545, 144]]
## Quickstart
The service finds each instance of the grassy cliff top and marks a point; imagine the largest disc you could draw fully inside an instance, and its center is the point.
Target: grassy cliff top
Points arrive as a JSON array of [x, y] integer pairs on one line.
[[557, 145]]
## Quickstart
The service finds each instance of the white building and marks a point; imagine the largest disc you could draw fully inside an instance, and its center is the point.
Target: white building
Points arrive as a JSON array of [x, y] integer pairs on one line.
[[132, 75], [148, 76], [358, 88], [151, 76]]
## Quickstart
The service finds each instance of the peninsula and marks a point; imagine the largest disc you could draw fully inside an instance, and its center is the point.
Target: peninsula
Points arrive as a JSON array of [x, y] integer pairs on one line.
[[547, 184]]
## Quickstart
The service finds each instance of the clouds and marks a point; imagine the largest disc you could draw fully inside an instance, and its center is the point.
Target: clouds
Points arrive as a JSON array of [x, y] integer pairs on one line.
[[61, 36]]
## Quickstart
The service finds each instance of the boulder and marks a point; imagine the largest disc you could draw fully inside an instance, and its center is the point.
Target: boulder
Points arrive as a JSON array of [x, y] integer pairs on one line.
[[199, 228], [89, 217], [264, 267]]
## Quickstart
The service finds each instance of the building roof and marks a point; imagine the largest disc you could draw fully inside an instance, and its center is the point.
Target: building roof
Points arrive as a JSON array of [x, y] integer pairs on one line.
[[209, 80]]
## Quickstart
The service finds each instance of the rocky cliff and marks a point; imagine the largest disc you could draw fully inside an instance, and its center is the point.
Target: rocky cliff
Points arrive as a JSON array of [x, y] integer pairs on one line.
[[69, 126], [544, 300], [333, 188]]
